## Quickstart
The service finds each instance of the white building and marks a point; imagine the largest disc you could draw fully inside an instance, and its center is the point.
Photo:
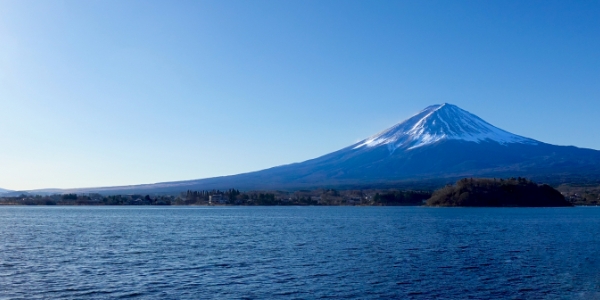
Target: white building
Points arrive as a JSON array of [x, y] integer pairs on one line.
[[216, 199]]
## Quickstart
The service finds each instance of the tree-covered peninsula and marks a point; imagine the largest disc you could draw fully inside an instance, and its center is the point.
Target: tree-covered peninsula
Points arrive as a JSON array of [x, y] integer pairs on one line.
[[513, 192]]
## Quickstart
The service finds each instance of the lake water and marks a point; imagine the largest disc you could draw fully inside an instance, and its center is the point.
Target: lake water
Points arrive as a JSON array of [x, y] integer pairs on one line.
[[299, 252]]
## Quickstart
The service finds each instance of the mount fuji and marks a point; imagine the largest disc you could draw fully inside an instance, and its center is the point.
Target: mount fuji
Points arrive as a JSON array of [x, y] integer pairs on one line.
[[435, 146], [437, 123]]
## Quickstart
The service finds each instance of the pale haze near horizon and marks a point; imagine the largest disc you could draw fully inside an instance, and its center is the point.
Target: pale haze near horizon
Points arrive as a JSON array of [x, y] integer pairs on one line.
[[102, 93]]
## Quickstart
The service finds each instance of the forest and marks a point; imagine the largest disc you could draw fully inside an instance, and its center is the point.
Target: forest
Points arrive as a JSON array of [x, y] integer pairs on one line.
[[512, 192]]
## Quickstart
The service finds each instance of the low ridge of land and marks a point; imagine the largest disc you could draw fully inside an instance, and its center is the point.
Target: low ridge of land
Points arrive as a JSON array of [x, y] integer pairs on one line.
[[513, 192]]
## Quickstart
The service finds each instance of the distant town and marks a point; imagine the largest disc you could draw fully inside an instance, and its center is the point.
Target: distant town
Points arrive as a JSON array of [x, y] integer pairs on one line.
[[233, 197]]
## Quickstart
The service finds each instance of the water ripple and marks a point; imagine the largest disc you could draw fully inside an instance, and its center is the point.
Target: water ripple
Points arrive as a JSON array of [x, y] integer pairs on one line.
[[298, 253]]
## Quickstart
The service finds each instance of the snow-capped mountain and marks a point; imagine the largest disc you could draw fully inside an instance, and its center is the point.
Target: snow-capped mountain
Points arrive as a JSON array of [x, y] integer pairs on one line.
[[441, 122], [436, 146]]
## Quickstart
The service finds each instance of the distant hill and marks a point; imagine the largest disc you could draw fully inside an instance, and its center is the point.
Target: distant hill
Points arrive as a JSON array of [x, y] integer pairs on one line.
[[438, 145], [513, 192]]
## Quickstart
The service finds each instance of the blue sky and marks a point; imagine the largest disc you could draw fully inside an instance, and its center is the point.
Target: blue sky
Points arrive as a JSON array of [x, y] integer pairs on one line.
[[97, 93]]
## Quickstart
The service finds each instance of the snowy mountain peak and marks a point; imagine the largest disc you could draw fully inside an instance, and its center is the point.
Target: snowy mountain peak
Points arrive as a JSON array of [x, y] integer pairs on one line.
[[441, 122]]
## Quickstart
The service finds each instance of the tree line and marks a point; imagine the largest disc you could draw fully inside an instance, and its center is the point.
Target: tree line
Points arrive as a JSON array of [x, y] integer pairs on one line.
[[511, 192], [465, 192]]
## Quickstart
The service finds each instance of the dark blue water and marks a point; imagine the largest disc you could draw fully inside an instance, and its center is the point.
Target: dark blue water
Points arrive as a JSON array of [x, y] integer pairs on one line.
[[299, 253]]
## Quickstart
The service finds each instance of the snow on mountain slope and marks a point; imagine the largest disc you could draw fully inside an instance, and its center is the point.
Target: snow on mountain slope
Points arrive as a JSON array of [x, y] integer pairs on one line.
[[441, 122]]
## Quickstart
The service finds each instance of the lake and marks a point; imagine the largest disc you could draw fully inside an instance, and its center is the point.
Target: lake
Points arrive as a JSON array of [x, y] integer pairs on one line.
[[299, 252]]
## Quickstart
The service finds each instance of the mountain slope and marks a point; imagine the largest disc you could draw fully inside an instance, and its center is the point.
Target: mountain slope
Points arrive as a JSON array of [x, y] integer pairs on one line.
[[437, 145]]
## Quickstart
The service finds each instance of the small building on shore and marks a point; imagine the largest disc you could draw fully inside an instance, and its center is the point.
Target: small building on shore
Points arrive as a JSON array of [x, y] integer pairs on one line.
[[216, 199]]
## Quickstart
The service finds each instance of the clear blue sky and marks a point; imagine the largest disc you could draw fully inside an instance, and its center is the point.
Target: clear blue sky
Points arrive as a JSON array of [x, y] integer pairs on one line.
[[97, 93]]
